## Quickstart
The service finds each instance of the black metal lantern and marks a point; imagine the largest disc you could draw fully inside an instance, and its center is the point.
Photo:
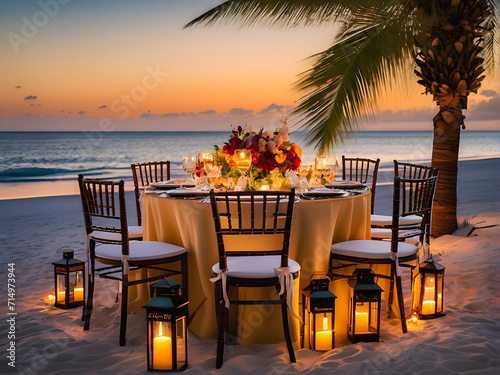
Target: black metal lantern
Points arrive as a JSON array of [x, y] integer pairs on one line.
[[428, 290], [166, 318], [318, 314], [364, 307], [69, 281]]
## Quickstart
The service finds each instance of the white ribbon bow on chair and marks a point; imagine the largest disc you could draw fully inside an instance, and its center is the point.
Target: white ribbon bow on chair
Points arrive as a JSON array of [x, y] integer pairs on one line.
[[222, 275], [286, 280], [394, 257], [125, 259]]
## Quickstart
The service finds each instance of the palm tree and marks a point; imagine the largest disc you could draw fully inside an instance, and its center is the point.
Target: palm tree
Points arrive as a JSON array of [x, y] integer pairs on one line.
[[447, 43]]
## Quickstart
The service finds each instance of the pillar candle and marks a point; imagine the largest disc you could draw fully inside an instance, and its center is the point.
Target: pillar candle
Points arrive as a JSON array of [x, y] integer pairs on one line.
[[78, 294], [324, 340], [162, 353], [361, 322], [428, 307], [61, 296]]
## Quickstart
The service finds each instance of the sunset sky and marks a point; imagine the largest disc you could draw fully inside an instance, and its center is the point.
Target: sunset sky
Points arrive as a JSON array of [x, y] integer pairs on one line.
[[130, 65]]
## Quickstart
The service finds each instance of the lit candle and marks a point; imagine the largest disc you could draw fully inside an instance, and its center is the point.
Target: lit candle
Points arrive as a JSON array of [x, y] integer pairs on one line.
[[61, 296], [206, 157], [428, 307], [361, 322], [440, 302], [324, 338], [162, 352], [78, 294], [321, 163]]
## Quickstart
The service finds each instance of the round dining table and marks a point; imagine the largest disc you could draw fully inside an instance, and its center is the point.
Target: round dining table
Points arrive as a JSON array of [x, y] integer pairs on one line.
[[316, 224]]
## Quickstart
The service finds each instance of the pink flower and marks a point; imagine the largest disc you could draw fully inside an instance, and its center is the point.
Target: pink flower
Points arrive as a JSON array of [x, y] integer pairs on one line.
[[271, 145]]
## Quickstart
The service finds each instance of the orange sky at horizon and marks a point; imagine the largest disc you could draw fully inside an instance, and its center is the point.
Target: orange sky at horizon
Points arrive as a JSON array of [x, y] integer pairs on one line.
[[137, 60]]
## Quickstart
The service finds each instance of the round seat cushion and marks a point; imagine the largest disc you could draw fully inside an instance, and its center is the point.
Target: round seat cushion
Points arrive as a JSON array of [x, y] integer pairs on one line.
[[134, 232], [384, 220], [139, 251], [386, 233], [372, 249], [255, 267]]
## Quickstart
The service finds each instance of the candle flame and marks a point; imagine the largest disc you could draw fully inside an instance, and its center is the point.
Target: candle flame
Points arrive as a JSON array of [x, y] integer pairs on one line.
[[159, 331], [325, 323]]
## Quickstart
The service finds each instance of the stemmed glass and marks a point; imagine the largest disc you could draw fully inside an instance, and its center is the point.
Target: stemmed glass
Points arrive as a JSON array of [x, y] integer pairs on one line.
[[243, 160], [189, 164], [334, 167]]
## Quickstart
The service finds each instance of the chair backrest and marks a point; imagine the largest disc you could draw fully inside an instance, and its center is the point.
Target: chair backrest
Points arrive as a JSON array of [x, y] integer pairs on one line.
[[252, 213], [409, 170], [412, 197], [145, 174], [361, 170], [103, 204]]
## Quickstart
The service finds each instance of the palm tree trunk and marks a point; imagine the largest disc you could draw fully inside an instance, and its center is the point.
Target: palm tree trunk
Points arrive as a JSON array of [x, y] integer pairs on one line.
[[447, 125]]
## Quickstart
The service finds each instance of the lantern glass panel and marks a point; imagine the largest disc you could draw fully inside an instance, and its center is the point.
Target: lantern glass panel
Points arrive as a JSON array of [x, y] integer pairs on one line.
[[324, 335], [181, 342], [162, 345], [61, 289], [440, 289]]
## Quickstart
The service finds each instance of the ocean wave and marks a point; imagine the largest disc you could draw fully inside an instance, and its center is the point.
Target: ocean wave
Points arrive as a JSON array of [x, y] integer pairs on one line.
[[16, 173]]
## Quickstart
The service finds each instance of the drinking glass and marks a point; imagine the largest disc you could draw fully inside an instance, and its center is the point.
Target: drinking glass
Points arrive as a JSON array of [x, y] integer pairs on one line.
[[334, 167], [243, 160], [189, 164]]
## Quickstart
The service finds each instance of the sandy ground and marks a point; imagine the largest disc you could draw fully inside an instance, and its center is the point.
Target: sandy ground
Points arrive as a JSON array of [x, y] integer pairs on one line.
[[52, 341]]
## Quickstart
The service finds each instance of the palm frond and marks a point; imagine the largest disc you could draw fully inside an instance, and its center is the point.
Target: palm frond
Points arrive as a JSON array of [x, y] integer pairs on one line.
[[371, 53], [287, 13], [492, 40]]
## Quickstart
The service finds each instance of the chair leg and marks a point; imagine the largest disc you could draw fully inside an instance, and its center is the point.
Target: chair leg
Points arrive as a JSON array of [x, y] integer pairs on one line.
[[87, 310], [222, 319], [286, 328], [391, 290], [399, 291], [123, 321]]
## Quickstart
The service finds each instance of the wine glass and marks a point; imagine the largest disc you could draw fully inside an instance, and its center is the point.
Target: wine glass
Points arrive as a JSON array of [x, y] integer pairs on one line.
[[243, 160], [189, 164], [334, 167]]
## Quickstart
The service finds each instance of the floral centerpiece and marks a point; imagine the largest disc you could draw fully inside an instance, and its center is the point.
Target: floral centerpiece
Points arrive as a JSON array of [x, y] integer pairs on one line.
[[272, 155]]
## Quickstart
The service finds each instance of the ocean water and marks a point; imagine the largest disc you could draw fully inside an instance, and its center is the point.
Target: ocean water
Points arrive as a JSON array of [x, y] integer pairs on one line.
[[37, 157]]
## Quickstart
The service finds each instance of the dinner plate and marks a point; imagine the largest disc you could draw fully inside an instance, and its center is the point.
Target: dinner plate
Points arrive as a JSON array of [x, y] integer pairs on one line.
[[172, 184], [182, 193], [325, 192], [345, 184]]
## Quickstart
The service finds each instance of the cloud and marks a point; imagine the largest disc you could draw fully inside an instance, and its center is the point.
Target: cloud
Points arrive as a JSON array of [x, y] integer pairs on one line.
[[485, 110], [209, 112], [31, 97], [35, 105], [240, 112], [103, 106], [27, 114], [62, 110], [148, 114], [274, 109], [81, 112], [18, 87], [407, 115], [488, 93]]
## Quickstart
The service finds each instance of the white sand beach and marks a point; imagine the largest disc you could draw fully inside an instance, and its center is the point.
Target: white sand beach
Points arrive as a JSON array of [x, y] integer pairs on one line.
[[52, 341]]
